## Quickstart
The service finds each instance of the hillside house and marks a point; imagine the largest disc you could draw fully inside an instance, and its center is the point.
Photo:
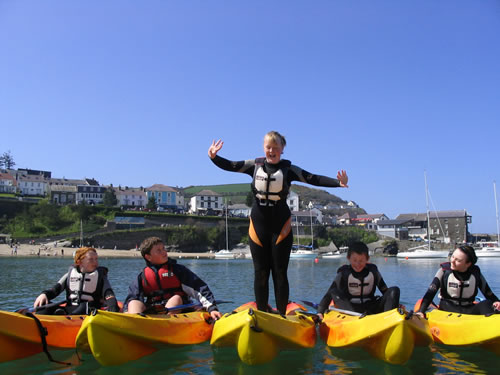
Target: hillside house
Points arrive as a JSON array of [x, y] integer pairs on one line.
[[206, 202]]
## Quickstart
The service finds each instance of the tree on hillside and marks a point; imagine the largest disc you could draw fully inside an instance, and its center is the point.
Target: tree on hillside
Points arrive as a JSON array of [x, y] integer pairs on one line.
[[7, 160], [109, 198], [151, 203]]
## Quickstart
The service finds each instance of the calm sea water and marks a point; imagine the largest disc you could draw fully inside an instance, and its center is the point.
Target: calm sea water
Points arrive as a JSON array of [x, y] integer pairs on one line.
[[22, 279]]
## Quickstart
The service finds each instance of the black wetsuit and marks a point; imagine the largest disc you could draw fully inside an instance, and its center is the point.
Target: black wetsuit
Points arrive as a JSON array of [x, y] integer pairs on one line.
[[270, 232], [459, 291], [84, 291], [355, 291]]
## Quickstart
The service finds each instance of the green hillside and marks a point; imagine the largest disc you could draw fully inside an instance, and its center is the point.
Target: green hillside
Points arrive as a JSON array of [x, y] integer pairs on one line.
[[237, 193]]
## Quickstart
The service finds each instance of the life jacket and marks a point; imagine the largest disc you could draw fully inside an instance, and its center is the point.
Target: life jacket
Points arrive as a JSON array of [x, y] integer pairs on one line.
[[361, 286], [267, 187], [84, 287], [460, 288], [160, 284]]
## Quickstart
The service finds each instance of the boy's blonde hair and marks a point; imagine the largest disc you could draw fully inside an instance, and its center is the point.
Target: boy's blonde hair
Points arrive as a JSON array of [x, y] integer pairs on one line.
[[276, 138]]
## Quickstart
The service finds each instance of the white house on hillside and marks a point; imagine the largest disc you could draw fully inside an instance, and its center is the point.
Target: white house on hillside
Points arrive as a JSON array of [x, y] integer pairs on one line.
[[8, 183], [205, 201], [293, 201], [32, 185], [130, 197]]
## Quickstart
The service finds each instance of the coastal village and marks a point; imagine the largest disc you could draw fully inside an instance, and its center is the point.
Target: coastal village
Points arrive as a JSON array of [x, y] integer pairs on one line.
[[31, 185]]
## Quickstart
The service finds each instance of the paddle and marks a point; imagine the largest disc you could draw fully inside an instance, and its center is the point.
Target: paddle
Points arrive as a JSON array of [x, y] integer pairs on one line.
[[191, 305], [332, 308], [35, 309]]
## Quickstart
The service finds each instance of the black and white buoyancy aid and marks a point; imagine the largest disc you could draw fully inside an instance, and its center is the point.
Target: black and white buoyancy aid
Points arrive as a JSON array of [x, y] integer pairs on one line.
[[360, 288], [459, 288], [270, 186], [83, 286]]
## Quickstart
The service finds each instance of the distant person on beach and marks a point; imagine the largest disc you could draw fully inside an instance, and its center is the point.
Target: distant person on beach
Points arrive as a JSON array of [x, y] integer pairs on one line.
[[270, 232], [355, 285], [86, 285], [460, 281], [165, 284]]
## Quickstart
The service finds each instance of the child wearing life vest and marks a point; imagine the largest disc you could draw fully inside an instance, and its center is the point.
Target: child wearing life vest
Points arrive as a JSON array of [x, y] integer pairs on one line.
[[86, 285], [460, 280], [164, 283], [355, 285]]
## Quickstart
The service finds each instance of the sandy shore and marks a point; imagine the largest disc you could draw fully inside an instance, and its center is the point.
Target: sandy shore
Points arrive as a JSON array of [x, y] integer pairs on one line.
[[67, 252]]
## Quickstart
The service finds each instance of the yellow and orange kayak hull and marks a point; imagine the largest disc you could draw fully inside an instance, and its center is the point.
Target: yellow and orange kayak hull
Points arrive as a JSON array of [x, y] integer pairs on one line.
[[388, 336], [259, 336], [117, 338], [463, 329], [20, 336]]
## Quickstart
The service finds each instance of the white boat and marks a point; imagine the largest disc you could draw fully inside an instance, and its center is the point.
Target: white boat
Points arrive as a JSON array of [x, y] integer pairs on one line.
[[303, 254], [225, 254], [333, 255], [491, 248], [422, 253]]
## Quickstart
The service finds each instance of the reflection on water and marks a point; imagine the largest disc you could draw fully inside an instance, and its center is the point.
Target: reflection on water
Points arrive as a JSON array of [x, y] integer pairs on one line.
[[233, 280]]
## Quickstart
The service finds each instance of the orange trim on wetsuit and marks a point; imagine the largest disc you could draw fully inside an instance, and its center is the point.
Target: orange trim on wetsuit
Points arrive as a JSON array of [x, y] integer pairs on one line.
[[253, 234], [285, 231]]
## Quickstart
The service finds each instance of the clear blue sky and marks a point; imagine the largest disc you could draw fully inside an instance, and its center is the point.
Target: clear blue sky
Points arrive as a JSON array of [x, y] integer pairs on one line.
[[133, 92]]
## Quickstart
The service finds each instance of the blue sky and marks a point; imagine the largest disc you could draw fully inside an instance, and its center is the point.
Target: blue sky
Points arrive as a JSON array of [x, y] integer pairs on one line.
[[132, 93]]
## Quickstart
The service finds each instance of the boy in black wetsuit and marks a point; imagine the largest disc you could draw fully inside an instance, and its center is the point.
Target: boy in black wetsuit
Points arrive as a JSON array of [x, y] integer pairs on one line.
[[354, 286]]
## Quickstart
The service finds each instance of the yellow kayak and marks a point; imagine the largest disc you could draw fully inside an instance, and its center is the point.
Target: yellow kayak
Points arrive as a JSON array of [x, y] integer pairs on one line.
[[388, 336], [116, 338], [259, 336], [20, 335], [464, 329]]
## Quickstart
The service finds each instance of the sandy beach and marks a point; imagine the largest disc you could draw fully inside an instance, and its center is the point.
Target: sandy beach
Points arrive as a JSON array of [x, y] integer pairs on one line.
[[45, 250]]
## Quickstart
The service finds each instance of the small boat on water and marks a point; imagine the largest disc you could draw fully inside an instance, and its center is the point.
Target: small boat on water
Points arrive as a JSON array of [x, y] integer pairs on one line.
[[488, 249], [333, 255], [259, 336], [225, 254], [304, 254], [421, 253]]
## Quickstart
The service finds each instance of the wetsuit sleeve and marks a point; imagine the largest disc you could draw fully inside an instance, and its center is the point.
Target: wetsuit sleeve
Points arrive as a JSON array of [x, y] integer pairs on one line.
[[195, 287], [108, 295], [299, 174], [244, 166], [431, 291], [486, 290], [381, 285], [134, 293], [56, 289], [333, 293]]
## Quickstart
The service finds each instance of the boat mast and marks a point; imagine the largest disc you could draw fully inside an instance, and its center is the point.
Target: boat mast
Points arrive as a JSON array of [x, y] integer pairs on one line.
[[496, 206], [227, 237], [81, 233], [427, 206]]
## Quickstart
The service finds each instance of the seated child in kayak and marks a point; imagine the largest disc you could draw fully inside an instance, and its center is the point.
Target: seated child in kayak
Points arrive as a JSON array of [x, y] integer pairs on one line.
[[86, 285], [355, 285], [165, 284], [459, 281]]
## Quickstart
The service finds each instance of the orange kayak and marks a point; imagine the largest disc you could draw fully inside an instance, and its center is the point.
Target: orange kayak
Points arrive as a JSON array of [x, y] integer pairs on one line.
[[21, 337]]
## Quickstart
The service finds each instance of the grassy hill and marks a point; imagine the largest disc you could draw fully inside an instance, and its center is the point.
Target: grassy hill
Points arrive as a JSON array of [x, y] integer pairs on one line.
[[237, 193]]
